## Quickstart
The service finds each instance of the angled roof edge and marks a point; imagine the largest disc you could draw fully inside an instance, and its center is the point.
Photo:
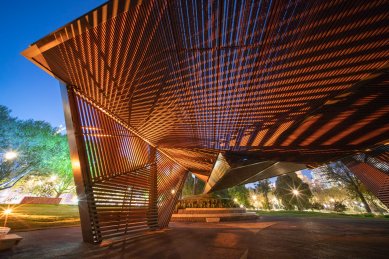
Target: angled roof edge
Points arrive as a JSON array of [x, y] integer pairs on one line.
[[88, 21]]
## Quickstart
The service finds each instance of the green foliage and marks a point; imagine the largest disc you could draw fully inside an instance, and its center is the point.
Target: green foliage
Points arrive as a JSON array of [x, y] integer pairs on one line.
[[325, 195], [285, 185], [241, 193], [263, 187], [338, 172], [41, 152], [317, 206], [8, 129], [192, 186]]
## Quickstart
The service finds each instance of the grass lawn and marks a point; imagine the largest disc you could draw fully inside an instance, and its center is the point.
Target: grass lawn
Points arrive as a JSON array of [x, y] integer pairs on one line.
[[32, 216], [318, 214]]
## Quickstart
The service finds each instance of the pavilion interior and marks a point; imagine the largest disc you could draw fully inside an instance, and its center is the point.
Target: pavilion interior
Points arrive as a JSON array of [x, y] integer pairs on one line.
[[233, 91]]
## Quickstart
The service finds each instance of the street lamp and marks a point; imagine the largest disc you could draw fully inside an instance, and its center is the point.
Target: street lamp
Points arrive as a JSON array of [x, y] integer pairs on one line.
[[295, 192], [10, 155], [6, 212]]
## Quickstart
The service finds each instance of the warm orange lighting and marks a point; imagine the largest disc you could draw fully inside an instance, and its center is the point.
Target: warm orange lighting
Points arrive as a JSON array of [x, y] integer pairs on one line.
[[173, 191], [76, 164], [7, 211]]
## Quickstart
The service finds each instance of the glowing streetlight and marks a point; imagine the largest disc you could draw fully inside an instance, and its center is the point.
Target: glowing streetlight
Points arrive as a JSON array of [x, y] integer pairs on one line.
[[6, 212], [295, 192], [10, 155]]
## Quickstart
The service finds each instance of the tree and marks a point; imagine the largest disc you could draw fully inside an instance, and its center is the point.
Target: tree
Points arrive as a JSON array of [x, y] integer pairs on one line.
[[28, 140], [338, 172], [58, 166], [339, 206], [41, 152], [263, 187], [188, 187], [192, 186], [54, 176], [293, 192], [328, 194], [241, 194], [9, 169]]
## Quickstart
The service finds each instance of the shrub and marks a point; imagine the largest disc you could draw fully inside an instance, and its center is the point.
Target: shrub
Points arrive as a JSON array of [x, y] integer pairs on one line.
[[317, 206], [339, 207]]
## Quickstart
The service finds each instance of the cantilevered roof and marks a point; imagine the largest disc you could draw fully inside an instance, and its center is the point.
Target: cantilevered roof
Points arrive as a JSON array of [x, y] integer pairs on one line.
[[280, 81]]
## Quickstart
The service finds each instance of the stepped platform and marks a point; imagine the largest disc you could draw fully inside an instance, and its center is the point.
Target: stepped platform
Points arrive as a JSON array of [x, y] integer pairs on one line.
[[212, 215]]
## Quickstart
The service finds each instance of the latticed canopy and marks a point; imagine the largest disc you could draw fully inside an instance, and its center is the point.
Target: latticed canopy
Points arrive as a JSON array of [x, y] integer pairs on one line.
[[272, 86]]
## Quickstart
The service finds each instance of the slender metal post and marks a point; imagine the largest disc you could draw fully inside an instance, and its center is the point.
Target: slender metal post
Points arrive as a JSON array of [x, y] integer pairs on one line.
[[80, 167]]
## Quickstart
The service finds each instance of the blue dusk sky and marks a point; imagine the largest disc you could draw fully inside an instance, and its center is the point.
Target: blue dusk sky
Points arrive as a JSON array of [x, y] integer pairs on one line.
[[24, 88]]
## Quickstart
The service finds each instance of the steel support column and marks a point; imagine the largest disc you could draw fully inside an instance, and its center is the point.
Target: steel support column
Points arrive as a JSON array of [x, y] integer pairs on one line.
[[78, 156]]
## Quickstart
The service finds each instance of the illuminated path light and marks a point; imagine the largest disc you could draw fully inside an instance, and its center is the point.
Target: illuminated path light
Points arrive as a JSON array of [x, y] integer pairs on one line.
[[231, 91], [6, 213]]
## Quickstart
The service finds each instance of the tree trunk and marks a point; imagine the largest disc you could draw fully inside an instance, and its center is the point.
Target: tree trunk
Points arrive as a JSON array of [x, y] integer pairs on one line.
[[359, 193], [367, 207], [267, 205]]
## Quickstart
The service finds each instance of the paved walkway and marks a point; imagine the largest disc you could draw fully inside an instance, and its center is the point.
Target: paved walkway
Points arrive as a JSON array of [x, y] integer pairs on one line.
[[268, 237]]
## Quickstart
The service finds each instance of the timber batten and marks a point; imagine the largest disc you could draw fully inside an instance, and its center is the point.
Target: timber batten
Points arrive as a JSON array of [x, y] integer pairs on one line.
[[162, 88]]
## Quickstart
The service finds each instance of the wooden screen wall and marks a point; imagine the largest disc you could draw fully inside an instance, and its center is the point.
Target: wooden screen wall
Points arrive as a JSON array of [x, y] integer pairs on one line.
[[127, 186], [373, 170]]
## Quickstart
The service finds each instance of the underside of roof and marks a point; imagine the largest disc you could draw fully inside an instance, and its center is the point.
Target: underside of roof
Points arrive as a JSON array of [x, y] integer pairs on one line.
[[260, 82]]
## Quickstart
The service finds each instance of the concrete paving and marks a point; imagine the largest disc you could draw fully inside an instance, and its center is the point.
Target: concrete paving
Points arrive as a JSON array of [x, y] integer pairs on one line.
[[267, 237]]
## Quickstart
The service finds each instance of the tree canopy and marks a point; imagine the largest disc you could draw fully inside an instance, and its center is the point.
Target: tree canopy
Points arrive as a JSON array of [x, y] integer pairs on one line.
[[338, 172], [264, 188], [293, 192], [241, 194], [40, 150]]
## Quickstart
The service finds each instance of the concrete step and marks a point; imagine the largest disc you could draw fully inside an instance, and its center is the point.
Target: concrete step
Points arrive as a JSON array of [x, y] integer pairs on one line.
[[201, 217], [211, 210]]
